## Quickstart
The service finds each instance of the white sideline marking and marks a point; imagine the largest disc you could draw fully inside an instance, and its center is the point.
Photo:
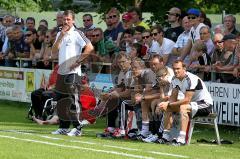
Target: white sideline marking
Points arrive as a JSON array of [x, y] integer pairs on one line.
[[77, 147], [48, 137], [167, 154], [207, 145], [93, 143], [123, 148], [83, 142]]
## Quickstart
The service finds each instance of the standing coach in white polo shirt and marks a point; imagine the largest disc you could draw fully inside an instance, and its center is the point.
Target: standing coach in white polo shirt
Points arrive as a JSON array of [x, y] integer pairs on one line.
[[72, 48]]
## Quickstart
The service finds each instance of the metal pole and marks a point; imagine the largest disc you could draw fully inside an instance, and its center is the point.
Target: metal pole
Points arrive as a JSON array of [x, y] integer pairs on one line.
[[223, 15]]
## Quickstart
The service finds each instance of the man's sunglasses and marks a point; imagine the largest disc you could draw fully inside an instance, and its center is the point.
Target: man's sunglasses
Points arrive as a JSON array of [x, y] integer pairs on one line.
[[192, 17]]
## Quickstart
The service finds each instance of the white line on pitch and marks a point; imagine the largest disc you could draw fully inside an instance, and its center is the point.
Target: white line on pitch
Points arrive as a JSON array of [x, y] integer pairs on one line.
[[93, 143], [77, 147], [167, 154]]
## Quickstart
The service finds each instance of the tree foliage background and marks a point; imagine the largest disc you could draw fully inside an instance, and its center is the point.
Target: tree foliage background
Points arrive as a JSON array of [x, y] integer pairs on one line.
[[158, 8]]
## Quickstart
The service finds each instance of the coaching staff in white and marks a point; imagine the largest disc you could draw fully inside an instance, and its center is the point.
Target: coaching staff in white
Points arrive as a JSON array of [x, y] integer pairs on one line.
[[72, 48]]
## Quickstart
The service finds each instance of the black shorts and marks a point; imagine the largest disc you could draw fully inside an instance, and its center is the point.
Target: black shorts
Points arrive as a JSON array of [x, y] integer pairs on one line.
[[203, 111]]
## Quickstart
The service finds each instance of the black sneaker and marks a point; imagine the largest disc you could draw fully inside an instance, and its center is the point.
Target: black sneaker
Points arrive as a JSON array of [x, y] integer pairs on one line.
[[162, 141]]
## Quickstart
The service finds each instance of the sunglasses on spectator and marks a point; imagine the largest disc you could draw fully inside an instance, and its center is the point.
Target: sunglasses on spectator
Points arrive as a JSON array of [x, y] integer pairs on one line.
[[172, 14], [154, 34], [86, 20], [47, 36], [8, 21], [192, 17], [145, 37], [97, 35], [113, 16], [28, 35]]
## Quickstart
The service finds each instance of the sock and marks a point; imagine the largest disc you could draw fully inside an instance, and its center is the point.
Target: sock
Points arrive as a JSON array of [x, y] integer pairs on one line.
[[181, 137], [145, 129], [166, 134]]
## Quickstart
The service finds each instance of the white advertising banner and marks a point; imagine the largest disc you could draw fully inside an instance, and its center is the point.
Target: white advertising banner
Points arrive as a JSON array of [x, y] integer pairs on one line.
[[16, 84], [226, 102]]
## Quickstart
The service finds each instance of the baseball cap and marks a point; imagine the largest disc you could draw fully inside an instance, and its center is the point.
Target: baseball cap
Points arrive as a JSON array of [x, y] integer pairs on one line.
[[127, 16], [194, 11], [229, 37]]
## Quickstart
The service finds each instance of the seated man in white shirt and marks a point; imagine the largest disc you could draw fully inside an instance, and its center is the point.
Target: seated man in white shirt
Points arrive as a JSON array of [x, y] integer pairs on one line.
[[197, 101]]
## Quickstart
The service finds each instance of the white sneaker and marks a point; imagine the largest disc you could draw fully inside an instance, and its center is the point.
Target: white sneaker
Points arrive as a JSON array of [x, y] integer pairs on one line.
[[85, 122], [151, 138], [75, 132], [60, 131]]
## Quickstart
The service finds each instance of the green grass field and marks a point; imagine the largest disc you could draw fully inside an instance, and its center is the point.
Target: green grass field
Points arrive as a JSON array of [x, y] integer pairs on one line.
[[21, 138]]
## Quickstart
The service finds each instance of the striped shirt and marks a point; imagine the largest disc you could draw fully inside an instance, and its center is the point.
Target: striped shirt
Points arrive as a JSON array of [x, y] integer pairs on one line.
[[192, 82]]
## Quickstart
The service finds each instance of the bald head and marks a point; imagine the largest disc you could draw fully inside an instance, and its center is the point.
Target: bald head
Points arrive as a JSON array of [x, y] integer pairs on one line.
[[218, 36]]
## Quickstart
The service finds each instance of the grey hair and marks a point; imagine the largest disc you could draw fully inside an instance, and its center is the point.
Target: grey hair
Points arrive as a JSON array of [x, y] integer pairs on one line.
[[232, 16]]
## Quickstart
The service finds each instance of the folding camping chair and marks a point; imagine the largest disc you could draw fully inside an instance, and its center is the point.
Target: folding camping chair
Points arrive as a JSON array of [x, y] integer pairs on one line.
[[211, 119]]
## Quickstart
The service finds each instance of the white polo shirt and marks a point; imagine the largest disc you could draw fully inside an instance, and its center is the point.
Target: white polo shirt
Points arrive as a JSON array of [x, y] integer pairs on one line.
[[164, 49], [192, 82], [195, 32], [70, 50]]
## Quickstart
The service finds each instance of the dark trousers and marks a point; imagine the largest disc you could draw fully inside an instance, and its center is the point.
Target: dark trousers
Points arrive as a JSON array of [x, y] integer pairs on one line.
[[67, 97], [112, 115], [38, 98]]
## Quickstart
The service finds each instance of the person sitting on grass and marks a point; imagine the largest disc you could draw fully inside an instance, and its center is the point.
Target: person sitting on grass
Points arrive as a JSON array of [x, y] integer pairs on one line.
[[88, 101], [39, 96]]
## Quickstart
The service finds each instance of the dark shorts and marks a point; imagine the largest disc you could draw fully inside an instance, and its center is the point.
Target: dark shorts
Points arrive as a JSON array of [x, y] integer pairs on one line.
[[205, 111]]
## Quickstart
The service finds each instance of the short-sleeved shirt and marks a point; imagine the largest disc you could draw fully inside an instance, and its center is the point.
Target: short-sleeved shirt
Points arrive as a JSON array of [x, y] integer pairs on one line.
[[124, 78], [143, 24], [21, 47], [37, 44], [195, 32], [113, 33], [70, 47], [2, 33], [234, 59], [164, 49], [210, 47], [192, 82], [182, 40], [147, 77], [173, 33]]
